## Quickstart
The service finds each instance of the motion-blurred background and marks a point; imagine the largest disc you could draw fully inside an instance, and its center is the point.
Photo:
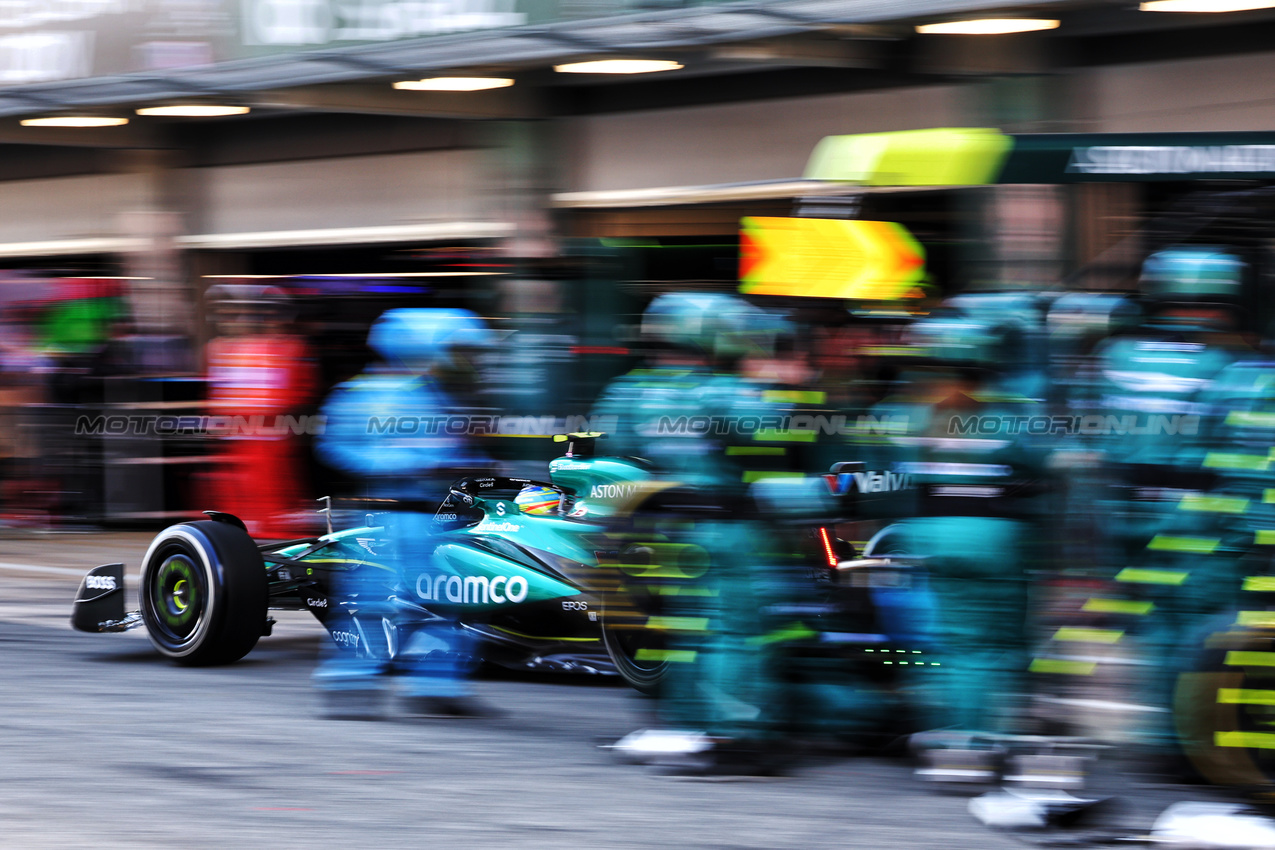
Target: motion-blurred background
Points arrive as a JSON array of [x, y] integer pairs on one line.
[[347, 158]]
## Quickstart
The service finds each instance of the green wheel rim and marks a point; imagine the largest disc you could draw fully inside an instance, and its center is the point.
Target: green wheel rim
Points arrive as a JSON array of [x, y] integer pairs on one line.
[[178, 596]]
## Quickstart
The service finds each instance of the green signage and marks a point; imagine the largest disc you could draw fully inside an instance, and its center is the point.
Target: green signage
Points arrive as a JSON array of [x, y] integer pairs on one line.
[[974, 156]]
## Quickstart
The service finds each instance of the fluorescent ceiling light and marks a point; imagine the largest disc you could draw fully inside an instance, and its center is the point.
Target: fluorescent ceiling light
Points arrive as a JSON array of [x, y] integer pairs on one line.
[[73, 121], [1205, 5], [379, 234], [455, 84], [988, 26], [70, 247], [193, 110], [343, 276], [618, 66]]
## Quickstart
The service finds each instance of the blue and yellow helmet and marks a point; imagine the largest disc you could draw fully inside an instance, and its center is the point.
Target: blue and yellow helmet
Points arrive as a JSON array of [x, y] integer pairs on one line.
[[537, 499]]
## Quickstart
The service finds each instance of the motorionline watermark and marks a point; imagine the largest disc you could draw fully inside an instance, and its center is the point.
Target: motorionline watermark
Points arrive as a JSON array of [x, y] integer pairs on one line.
[[781, 426], [777, 425], [470, 425], [662, 426], [1088, 425], [148, 425]]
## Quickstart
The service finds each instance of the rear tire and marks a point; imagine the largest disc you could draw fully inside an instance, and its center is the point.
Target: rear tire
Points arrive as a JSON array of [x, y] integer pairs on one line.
[[1222, 708], [203, 593], [658, 557], [626, 642]]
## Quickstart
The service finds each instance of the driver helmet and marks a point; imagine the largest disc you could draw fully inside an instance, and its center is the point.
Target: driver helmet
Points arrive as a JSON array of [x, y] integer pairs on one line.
[[538, 499]]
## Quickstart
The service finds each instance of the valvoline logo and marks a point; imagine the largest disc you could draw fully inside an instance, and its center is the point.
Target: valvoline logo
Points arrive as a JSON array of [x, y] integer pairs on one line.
[[843, 483]]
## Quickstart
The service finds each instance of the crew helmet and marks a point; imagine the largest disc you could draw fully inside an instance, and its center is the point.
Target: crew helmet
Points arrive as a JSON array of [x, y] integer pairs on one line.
[[958, 340], [1077, 316], [419, 337], [245, 293], [254, 301], [713, 323], [538, 499], [1193, 274]]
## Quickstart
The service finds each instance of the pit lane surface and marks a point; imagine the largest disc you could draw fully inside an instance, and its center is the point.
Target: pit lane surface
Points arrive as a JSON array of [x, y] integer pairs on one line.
[[104, 744]]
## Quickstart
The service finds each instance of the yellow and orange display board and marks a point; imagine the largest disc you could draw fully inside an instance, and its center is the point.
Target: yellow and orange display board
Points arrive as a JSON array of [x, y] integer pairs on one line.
[[828, 258]]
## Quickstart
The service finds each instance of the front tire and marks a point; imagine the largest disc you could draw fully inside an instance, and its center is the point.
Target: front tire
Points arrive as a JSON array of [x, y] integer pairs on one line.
[[203, 593]]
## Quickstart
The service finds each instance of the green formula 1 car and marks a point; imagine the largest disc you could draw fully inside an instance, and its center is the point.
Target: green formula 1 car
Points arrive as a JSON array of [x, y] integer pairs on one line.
[[538, 591], [582, 589]]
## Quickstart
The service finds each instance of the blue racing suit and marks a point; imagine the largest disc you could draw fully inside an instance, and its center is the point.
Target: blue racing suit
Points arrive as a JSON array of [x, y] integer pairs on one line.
[[384, 429]]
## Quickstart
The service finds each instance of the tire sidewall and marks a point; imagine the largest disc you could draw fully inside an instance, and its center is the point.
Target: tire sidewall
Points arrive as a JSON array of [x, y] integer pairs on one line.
[[235, 597], [197, 545], [646, 680], [673, 504]]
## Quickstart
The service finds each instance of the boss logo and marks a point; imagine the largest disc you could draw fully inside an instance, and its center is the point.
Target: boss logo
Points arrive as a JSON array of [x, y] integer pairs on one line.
[[100, 582]]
